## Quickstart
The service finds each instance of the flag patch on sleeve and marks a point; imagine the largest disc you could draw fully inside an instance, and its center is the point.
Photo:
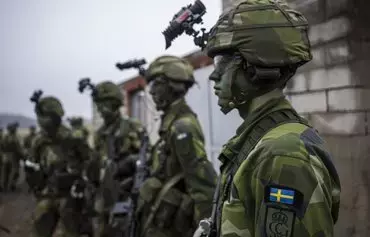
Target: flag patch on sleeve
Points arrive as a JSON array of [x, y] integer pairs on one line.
[[281, 195]]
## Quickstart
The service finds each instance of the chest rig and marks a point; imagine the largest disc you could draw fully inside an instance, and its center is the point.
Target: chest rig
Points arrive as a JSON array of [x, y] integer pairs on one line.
[[260, 128]]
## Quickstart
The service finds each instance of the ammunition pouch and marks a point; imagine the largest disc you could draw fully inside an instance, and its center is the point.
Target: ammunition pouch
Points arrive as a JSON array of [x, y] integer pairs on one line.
[[166, 207]]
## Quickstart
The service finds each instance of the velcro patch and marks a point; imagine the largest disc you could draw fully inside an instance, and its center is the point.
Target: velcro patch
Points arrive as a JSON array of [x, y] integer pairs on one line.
[[283, 195], [279, 222]]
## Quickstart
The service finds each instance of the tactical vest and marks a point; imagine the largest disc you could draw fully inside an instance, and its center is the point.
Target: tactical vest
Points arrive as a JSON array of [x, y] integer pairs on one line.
[[260, 129]]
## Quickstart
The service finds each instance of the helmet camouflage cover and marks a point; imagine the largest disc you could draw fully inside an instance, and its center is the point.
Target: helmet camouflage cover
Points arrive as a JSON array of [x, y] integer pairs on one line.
[[50, 105], [172, 67], [266, 33], [108, 91]]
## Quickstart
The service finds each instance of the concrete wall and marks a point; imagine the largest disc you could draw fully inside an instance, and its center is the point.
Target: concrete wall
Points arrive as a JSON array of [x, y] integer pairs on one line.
[[333, 92]]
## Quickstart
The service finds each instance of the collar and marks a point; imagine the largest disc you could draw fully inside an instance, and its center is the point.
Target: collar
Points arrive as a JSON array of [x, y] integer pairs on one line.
[[171, 114], [259, 108]]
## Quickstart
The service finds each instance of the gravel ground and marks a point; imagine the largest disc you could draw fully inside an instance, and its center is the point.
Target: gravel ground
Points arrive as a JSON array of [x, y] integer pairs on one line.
[[15, 212]]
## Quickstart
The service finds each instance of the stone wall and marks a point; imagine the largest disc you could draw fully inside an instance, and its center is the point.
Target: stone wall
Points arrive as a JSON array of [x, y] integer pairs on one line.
[[333, 92]]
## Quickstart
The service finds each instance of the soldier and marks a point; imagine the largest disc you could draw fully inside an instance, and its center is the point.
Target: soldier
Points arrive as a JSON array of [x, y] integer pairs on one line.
[[29, 138], [179, 191], [12, 155], [61, 159], [278, 178], [116, 143], [78, 127]]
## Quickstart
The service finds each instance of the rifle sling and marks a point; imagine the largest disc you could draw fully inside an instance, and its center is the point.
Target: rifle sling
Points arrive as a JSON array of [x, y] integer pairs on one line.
[[170, 183]]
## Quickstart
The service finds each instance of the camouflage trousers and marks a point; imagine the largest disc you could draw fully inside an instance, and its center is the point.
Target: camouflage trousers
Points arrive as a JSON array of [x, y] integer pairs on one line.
[[9, 171], [53, 217]]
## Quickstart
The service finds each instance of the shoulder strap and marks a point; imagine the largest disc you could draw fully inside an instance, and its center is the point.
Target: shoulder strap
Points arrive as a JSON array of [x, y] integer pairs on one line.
[[263, 126], [166, 187]]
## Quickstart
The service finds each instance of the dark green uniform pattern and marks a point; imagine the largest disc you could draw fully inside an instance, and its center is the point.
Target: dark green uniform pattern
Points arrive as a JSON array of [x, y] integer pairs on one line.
[[290, 157], [178, 158], [56, 213], [11, 156], [124, 137]]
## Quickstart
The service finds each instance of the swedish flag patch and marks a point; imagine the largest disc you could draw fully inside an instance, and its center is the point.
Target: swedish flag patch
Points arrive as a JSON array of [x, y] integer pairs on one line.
[[281, 195]]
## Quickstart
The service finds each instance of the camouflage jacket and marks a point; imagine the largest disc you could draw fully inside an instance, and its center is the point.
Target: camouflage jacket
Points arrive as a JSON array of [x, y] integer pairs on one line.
[[11, 144], [81, 132], [286, 186], [180, 150], [126, 138], [62, 158], [27, 143]]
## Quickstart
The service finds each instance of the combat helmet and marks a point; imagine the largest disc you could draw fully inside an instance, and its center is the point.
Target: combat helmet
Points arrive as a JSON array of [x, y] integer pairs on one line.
[[108, 91], [267, 33], [47, 105], [172, 67]]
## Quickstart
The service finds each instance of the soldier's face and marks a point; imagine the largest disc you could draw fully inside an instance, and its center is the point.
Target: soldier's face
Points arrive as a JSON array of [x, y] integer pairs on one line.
[[48, 122], [107, 109], [222, 76], [160, 92]]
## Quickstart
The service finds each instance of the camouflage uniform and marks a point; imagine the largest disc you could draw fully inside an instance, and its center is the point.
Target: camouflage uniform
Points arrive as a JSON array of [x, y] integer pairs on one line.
[[78, 128], [62, 159], [116, 145], [27, 143], [179, 191], [277, 176], [12, 154]]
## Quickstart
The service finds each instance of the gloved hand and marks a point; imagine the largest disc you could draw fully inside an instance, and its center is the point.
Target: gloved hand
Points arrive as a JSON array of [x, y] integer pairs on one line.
[[203, 229], [125, 167]]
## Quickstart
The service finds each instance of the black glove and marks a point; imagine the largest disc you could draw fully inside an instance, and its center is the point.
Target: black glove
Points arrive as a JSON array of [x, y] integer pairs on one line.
[[125, 168]]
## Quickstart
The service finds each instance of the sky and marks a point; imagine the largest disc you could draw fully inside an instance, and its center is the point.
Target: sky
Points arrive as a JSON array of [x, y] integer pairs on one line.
[[50, 45]]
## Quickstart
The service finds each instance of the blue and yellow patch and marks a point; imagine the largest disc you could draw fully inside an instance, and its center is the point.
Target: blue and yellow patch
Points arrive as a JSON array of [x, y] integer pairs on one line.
[[281, 195]]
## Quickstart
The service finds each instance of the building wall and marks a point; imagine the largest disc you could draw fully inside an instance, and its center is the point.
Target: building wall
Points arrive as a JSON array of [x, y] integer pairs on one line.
[[333, 92]]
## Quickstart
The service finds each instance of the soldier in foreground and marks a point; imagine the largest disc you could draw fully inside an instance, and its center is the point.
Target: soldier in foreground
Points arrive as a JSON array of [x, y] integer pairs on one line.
[[278, 178], [57, 179], [78, 128], [116, 144], [12, 155], [29, 138], [178, 193]]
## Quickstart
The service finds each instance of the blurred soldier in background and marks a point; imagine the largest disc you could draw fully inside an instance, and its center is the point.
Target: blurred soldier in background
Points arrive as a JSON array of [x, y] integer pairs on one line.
[[78, 128], [116, 144], [179, 191], [56, 172], [12, 155], [27, 143]]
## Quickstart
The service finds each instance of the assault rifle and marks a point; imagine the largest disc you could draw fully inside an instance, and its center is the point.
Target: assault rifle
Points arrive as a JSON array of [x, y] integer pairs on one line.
[[142, 173], [207, 227], [124, 212]]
